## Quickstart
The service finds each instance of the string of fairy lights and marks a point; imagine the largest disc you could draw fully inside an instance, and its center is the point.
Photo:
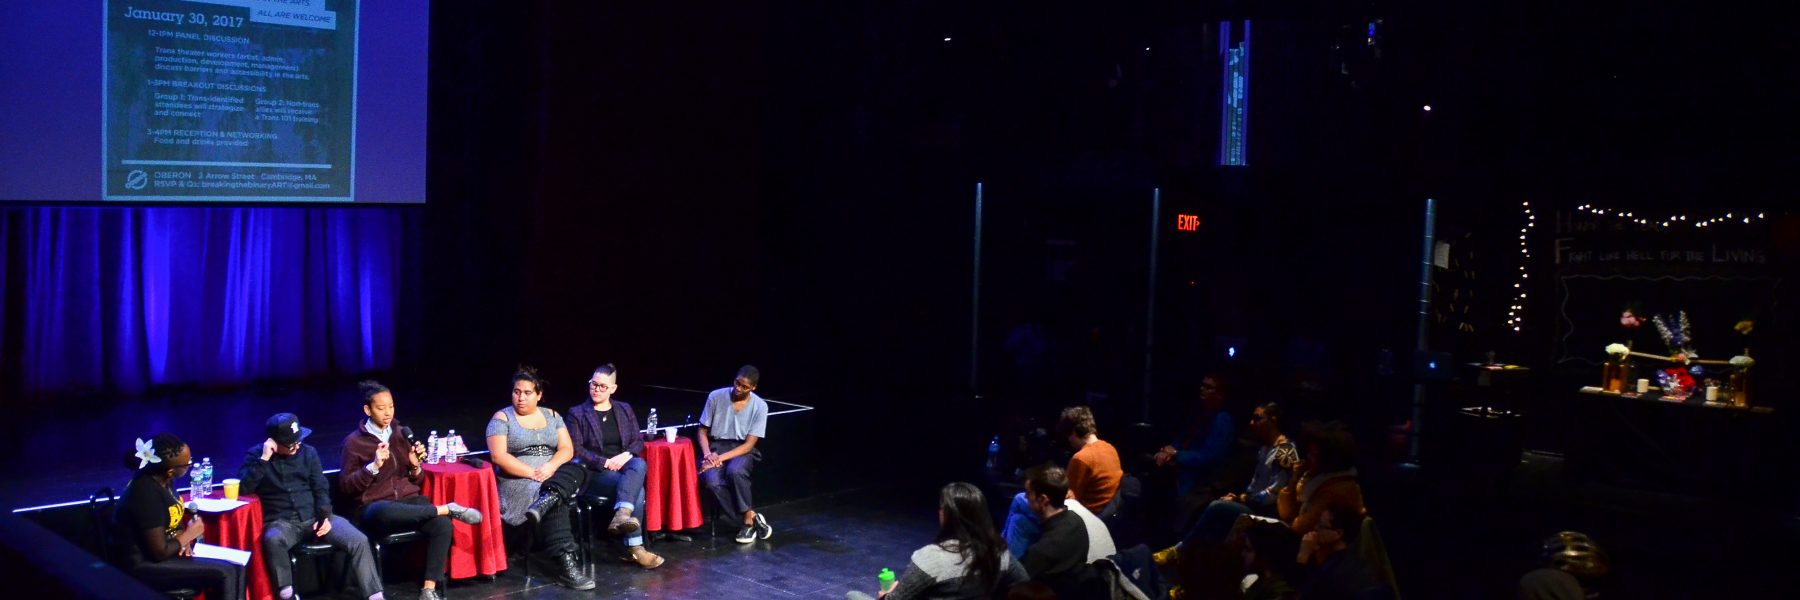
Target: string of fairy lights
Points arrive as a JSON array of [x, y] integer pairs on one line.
[[1514, 316], [1672, 219], [1515, 312]]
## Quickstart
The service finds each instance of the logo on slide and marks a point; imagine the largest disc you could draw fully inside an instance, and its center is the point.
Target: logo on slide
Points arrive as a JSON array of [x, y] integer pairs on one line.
[[136, 179]]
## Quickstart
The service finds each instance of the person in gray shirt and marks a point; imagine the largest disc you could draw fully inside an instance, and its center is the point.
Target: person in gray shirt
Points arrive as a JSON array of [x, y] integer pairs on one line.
[[732, 424]]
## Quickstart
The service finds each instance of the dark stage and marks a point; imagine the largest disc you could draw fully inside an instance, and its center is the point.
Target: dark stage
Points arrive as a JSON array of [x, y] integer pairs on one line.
[[933, 226]]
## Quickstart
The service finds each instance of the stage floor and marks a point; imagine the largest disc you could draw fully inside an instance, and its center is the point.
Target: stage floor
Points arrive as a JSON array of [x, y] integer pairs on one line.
[[822, 547]]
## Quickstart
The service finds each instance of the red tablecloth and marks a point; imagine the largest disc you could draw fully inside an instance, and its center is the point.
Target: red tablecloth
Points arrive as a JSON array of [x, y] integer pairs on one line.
[[671, 491], [241, 528], [474, 549]]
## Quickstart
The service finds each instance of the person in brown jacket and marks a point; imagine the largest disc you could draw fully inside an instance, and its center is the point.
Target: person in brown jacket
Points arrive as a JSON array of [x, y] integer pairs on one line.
[[1327, 479], [382, 471]]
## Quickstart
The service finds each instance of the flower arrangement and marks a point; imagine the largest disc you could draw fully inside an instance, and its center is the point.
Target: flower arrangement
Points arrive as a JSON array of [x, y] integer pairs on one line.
[[1675, 332]]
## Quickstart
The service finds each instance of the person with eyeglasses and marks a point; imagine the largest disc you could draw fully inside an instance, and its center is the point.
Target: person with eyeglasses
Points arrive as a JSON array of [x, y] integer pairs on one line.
[[1276, 461], [1194, 461], [608, 442], [733, 422], [285, 472], [157, 533]]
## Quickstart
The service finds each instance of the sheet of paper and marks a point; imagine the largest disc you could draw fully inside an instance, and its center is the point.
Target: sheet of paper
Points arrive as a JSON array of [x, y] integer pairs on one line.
[[216, 505], [231, 555]]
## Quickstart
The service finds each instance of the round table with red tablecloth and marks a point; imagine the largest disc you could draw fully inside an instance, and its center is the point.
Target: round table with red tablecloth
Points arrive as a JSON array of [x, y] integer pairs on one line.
[[241, 528], [474, 549], [671, 489]]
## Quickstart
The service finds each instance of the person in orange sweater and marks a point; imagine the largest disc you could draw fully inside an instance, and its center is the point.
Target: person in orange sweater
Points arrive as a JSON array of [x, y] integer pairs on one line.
[[1094, 471], [1093, 474]]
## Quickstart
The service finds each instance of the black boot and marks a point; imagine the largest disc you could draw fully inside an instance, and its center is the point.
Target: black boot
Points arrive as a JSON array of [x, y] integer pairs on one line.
[[571, 576], [545, 501]]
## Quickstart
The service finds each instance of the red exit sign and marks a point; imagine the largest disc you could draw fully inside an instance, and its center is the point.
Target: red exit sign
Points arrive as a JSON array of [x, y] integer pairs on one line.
[[1187, 222]]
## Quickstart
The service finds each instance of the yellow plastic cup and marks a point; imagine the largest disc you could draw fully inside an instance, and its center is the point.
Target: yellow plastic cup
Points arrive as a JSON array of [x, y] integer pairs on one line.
[[231, 489]]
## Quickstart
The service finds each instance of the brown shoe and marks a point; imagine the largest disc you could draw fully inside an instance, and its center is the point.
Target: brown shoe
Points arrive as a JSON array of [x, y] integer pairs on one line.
[[644, 558], [622, 523]]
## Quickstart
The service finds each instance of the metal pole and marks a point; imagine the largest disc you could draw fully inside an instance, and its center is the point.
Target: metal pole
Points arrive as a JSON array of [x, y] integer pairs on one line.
[[1422, 346], [975, 297], [1150, 299]]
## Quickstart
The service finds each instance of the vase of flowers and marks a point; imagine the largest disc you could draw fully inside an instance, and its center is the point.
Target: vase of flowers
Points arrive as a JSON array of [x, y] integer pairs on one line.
[[1615, 373], [1739, 383]]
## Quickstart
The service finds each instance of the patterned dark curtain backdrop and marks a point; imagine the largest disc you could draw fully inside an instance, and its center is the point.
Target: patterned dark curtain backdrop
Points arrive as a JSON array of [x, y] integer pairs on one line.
[[120, 299]]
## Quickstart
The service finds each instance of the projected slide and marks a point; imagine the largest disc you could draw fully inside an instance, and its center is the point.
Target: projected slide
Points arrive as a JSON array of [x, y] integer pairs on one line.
[[230, 99]]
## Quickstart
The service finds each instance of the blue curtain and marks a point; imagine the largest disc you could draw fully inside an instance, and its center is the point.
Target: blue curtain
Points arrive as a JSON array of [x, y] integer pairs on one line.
[[117, 300]]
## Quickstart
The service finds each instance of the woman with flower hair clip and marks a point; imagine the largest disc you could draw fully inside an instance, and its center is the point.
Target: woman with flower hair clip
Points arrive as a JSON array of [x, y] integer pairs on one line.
[[156, 534]]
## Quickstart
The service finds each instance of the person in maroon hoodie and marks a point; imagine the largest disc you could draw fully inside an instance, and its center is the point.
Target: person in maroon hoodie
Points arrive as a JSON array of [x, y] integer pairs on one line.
[[382, 471]]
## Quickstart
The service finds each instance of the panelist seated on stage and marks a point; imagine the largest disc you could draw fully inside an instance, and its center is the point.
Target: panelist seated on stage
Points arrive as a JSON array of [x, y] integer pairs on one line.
[[537, 481], [286, 473], [382, 470], [733, 422], [608, 442], [156, 533]]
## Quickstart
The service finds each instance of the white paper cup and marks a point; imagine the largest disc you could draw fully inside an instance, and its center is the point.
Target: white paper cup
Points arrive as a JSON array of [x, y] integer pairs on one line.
[[1712, 393], [1643, 386], [669, 434]]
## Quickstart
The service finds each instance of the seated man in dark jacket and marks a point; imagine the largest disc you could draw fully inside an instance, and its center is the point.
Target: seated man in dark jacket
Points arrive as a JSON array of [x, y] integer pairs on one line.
[[296, 503], [1059, 557]]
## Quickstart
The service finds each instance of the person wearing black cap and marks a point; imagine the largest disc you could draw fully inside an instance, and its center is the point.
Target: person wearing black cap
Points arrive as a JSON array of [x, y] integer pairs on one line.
[[286, 474]]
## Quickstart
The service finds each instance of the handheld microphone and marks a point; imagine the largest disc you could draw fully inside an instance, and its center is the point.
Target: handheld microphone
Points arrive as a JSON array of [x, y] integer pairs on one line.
[[406, 432]]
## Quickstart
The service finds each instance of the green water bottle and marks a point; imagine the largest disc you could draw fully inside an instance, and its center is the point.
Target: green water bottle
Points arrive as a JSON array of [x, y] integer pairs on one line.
[[886, 578]]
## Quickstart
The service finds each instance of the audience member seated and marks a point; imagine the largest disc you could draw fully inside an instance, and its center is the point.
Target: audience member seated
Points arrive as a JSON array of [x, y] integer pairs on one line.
[[967, 561], [1276, 461], [610, 444], [537, 482], [382, 471], [156, 534], [1327, 480], [1196, 458], [1335, 571], [1062, 556], [296, 499], [1093, 476], [1269, 572]]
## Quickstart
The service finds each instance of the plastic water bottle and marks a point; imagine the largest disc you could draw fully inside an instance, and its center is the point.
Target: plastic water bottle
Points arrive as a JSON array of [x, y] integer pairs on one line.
[[885, 580], [206, 477], [652, 422], [194, 480], [432, 448], [452, 442], [993, 459]]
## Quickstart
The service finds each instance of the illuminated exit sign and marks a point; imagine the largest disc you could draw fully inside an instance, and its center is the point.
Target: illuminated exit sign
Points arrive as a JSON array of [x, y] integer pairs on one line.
[[1187, 222]]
